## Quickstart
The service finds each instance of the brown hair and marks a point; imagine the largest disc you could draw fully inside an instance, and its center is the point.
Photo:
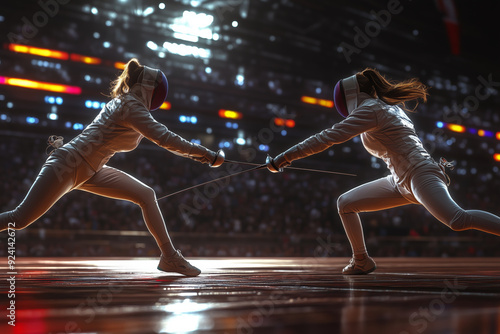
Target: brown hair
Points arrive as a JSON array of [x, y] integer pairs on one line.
[[373, 83], [127, 78]]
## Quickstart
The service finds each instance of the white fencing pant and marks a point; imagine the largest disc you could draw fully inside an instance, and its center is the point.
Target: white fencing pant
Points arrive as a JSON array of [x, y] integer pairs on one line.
[[428, 188], [60, 175]]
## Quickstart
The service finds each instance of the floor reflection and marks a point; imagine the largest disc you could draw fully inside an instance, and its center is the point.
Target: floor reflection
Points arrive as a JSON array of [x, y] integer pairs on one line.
[[265, 295]]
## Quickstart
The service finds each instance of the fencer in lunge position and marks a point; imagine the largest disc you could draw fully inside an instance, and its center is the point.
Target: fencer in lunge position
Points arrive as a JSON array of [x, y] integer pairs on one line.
[[119, 127], [374, 108]]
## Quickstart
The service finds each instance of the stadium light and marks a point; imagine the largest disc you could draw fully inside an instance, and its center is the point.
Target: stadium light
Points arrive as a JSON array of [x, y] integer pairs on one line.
[[32, 84], [231, 114], [39, 51], [316, 101]]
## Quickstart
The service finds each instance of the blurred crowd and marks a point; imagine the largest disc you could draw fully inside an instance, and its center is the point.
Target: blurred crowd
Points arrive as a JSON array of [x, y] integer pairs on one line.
[[254, 214]]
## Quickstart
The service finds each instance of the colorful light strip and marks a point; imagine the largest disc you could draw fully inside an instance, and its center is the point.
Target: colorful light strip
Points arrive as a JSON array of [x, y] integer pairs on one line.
[[289, 123], [461, 129], [59, 55], [39, 51], [120, 65], [85, 59], [231, 114], [31, 84], [320, 102], [456, 128]]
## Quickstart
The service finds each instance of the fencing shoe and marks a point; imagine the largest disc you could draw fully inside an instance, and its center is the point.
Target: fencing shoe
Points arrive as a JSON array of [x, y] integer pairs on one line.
[[360, 267], [177, 263]]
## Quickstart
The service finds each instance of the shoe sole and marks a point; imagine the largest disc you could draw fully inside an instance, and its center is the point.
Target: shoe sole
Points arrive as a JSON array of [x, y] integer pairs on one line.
[[360, 272]]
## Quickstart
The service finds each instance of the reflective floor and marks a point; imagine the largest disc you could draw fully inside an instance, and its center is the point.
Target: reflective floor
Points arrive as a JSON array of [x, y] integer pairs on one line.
[[252, 295]]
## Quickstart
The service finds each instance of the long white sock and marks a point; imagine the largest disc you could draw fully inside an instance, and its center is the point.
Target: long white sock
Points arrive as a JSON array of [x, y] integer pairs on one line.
[[354, 231]]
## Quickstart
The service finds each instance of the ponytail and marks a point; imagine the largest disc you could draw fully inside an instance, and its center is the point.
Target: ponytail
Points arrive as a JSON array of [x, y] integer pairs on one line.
[[393, 93], [127, 78]]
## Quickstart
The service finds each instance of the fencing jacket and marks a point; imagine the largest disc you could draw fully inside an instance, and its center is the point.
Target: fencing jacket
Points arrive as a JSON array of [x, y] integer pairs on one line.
[[122, 124], [386, 132]]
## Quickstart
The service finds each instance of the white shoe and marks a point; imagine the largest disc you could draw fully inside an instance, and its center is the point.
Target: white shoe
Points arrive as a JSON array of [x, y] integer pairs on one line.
[[360, 267], [177, 263]]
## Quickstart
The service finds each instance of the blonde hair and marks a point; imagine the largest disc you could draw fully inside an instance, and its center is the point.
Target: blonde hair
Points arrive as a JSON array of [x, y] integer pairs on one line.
[[127, 78], [391, 92]]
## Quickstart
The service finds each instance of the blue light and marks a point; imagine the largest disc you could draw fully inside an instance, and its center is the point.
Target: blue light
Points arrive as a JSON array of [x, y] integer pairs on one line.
[[32, 120], [77, 126], [440, 124], [54, 100], [283, 133], [225, 144], [182, 119], [68, 125], [263, 148], [235, 125], [229, 125], [488, 133], [194, 120], [94, 104]]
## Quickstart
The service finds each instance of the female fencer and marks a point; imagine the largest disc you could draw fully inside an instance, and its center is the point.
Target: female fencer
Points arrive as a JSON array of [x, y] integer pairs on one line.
[[374, 108], [119, 127]]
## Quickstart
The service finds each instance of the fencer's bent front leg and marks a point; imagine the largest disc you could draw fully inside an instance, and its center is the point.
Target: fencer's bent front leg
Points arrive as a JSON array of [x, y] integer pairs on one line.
[[372, 196]]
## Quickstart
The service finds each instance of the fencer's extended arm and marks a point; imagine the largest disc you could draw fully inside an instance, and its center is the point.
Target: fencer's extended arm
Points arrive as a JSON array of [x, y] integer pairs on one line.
[[361, 120], [140, 119]]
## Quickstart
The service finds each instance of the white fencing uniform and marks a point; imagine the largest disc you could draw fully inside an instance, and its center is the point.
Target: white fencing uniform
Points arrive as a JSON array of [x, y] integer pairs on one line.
[[80, 163], [388, 133]]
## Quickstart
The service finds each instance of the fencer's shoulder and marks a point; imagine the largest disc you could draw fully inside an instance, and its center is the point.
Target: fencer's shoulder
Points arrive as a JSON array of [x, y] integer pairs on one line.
[[130, 108], [373, 104]]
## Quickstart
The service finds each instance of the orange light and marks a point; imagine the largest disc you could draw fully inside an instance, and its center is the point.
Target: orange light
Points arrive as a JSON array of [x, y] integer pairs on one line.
[[310, 100], [85, 59], [166, 106], [496, 156], [38, 51], [290, 123], [480, 133], [456, 128], [279, 121], [319, 102], [230, 114], [52, 87], [326, 103], [498, 135], [120, 65]]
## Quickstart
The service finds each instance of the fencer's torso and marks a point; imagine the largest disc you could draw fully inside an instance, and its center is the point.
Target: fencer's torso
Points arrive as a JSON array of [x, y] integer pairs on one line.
[[386, 132], [394, 140], [122, 124]]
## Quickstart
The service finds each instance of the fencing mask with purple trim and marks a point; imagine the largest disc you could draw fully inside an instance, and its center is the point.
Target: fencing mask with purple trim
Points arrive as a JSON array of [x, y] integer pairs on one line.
[[345, 95], [160, 91]]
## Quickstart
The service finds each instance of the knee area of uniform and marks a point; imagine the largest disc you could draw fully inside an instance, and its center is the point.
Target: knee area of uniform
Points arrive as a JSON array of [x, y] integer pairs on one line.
[[343, 203], [145, 196], [9, 221], [460, 221]]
